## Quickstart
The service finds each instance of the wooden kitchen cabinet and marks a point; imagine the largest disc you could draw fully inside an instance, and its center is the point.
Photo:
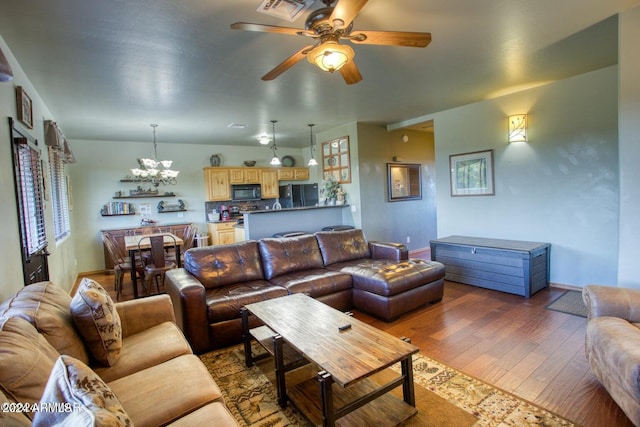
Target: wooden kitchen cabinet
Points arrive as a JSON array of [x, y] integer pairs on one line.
[[217, 184], [244, 176], [293, 174], [301, 174], [222, 233], [269, 184]]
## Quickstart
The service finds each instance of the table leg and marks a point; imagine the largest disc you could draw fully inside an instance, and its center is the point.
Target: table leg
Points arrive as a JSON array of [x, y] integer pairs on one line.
[[178, 260], [278, 356], [326, 393], [408, 391], [246, 337], [134, 272]]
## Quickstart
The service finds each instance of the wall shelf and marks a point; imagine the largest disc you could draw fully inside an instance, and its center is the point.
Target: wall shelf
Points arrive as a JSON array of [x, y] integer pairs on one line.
[[127, 214], [145, 196], [174, 210]]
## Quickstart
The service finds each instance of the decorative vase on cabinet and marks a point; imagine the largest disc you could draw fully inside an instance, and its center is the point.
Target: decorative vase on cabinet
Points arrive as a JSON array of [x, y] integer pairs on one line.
[[215, 160]]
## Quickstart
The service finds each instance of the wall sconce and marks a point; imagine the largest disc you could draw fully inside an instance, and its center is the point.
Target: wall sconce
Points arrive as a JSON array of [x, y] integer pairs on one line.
[[518, 128]]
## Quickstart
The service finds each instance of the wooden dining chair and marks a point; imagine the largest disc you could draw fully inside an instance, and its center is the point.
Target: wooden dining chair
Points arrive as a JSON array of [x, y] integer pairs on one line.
[[187, 243], [157, 263], [121, 262]]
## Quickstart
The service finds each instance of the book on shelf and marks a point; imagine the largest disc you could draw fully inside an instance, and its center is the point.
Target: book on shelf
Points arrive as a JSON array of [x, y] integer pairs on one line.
[[118, 208]]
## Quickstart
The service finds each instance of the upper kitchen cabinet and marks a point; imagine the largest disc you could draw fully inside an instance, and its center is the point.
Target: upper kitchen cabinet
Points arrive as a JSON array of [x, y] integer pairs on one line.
[[269, 184], [293, 174], [217, 184], [244, 176]]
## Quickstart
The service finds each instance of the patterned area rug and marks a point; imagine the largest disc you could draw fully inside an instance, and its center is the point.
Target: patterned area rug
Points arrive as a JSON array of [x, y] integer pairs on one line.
[[571, 303], [444, 396]]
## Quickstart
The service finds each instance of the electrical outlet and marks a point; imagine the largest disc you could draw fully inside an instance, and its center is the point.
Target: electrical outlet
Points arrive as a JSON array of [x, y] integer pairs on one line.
[[408, 239]]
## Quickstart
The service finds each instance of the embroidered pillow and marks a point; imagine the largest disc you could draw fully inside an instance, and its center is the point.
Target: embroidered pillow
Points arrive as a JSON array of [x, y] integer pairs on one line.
[[97, 321], [81, 396]]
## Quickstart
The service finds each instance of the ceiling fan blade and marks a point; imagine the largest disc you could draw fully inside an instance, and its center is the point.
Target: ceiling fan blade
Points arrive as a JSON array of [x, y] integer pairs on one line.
[[287, 63], [392, 38], [346, 11], [350, 73], [247, 26]]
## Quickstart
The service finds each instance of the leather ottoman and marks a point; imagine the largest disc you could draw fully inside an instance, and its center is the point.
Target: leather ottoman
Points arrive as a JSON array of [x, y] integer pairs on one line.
[[388, 290]]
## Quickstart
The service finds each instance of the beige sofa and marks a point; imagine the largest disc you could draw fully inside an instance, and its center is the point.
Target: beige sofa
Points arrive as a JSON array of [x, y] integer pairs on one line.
[[154, 375], [613, 343]]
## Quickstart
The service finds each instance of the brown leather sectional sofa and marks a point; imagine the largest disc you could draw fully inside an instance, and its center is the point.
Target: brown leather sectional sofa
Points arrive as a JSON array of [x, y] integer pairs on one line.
[[339, 268]]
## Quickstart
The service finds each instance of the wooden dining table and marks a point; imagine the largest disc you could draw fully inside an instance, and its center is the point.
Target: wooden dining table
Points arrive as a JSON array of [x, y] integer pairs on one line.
[[135, 243]]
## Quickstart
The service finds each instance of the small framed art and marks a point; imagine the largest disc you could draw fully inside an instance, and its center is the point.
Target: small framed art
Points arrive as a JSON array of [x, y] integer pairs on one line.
[[472, 173], [25, 107]]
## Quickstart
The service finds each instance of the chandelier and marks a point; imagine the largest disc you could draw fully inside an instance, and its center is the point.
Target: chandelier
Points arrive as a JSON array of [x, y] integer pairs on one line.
[[150, 171]]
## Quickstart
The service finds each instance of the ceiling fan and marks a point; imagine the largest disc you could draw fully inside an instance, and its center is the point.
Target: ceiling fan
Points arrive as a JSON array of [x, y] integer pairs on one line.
[[328, 25]]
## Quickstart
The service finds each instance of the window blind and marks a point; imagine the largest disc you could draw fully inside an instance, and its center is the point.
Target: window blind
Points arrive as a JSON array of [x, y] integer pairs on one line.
[[29, 174], [59, 194]]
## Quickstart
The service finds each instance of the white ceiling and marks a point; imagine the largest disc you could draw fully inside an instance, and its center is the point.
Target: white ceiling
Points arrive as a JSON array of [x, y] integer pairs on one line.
[[109, 68]]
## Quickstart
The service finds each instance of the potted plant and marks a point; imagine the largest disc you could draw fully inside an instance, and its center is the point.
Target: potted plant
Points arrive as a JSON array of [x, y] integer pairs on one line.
[[331, 189]]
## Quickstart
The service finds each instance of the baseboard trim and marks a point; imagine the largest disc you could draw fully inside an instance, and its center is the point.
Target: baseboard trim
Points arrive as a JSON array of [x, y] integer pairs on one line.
[[566, 287]]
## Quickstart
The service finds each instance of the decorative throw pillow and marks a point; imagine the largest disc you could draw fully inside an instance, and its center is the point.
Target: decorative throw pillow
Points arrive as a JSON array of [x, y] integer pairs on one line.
[[80, 397], [97, 321]]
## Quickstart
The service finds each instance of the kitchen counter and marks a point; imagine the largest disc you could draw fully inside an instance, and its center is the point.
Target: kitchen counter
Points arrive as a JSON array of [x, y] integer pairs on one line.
[[267, 222], [293, 209]]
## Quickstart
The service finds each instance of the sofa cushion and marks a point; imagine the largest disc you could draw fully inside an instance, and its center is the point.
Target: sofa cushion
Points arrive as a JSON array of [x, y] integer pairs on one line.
[[26, 360], [97, 321], [217, 266], [145, 349], [315, 282], [46, 306], [225, 303], [90, 401], [289, 254], [341, 246], [163, 393]]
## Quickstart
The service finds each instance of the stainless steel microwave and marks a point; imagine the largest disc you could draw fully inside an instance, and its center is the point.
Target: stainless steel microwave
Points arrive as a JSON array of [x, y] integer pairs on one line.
[[246, 192]]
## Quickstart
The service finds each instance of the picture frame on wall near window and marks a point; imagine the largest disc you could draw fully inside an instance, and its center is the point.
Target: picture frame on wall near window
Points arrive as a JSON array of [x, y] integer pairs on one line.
[[25, 107], [336, 160], [472, 173]]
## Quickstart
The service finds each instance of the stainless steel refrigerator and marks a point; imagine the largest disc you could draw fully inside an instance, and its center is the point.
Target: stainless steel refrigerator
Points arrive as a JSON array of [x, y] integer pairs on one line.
[[298, 195]]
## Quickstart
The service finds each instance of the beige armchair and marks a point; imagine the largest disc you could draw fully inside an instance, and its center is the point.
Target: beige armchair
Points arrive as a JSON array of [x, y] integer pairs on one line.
[[613, 343]]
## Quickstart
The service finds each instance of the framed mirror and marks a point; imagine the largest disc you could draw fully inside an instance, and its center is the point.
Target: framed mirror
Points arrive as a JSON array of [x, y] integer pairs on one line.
[[404, 182]]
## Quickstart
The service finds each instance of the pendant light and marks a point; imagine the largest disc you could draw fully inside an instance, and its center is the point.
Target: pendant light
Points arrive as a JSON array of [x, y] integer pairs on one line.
[[312, 160], [275, 161]]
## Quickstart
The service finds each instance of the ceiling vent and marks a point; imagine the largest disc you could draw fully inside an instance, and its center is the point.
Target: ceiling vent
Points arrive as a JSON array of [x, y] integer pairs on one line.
[[237, 125]]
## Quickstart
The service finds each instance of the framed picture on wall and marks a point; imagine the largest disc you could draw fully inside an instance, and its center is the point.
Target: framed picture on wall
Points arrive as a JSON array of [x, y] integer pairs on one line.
[[472, 173], [25, 107]]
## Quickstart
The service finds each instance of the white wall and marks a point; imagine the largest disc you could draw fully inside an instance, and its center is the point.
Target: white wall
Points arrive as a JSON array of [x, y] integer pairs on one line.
[[561, 187], [61, 266], [102, 164], [629, 147]]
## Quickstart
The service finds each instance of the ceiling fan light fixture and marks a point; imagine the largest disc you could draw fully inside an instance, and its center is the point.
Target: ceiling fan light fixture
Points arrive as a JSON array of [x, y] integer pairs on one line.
[[330, 56]]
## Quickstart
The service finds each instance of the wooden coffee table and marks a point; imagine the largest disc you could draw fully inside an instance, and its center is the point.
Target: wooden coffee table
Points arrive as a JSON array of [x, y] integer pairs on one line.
[[347, 351]]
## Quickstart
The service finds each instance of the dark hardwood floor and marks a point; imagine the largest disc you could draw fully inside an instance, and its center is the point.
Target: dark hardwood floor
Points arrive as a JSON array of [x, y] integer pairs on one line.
[[506, 340]]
